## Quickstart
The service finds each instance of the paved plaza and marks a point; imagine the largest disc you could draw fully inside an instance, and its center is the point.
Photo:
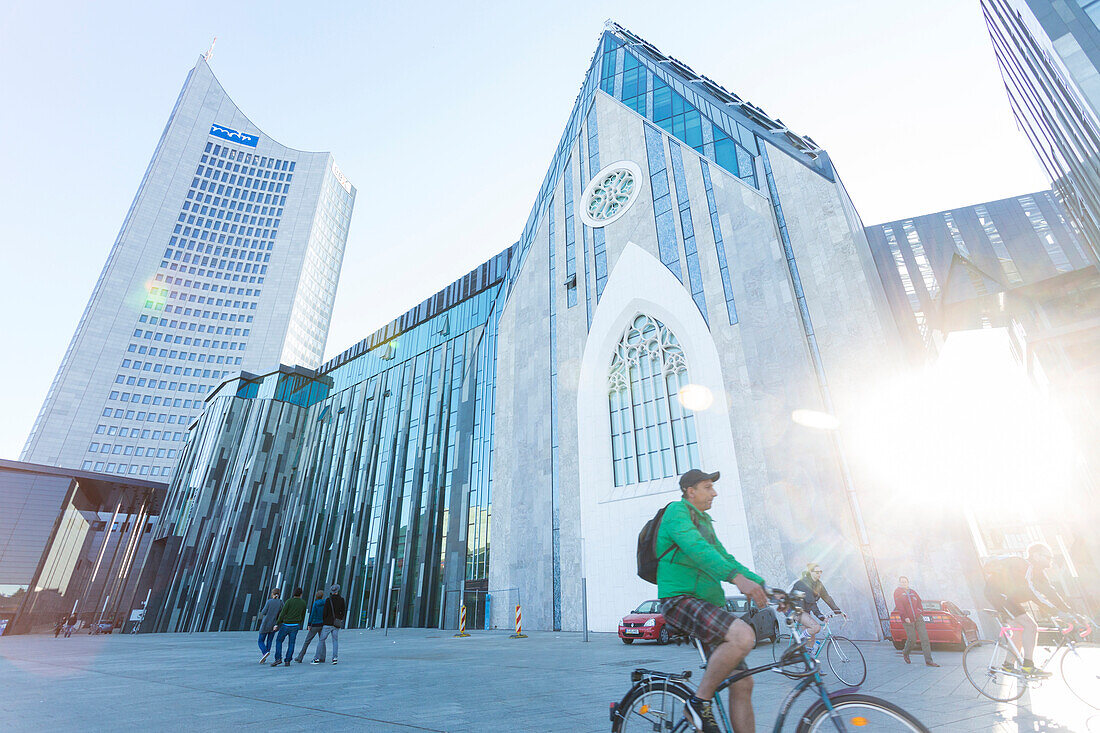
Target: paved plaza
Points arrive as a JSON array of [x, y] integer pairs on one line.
[[422, 679]]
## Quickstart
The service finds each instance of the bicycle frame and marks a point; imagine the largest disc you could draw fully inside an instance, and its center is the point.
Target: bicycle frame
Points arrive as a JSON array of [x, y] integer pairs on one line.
[[823, 636], [1006, 634], [810, 677]]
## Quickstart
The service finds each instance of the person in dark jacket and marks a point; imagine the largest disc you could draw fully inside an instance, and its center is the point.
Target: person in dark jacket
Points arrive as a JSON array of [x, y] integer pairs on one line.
[[288, 623], [268, 614], [316, 621], [1013, 581], [335, 616], [910, 607], [810, 584]]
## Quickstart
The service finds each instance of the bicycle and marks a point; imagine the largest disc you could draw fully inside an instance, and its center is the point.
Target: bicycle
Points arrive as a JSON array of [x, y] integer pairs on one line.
[[845, 660], [995, 674], [655, 701]]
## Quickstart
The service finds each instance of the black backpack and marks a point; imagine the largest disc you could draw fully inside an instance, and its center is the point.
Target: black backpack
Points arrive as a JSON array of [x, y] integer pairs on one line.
[[648, 558]]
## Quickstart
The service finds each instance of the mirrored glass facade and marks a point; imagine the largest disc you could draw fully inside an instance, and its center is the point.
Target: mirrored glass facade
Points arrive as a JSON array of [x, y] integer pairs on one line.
[[1049, 55], [373, 473]]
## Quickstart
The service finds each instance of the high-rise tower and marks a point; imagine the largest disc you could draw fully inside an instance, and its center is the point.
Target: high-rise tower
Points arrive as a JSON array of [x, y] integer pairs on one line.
[[1049, 54], [227, 260]]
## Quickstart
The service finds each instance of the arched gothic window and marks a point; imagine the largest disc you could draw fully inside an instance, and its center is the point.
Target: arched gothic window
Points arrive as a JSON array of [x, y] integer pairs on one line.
[[652, 435]]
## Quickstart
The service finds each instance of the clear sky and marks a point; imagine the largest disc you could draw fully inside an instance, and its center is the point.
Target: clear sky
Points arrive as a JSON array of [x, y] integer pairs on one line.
[[445, 116]]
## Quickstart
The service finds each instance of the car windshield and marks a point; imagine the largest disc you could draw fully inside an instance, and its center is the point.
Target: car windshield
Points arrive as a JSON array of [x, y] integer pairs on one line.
[[647, 607], [931, 605]]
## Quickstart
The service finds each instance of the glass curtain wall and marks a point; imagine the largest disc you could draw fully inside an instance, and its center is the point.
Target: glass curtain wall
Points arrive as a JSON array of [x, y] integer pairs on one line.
[[298, 479]]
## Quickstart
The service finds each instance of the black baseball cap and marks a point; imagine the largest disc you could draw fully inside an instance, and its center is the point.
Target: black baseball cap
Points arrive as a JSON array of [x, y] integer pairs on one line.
[[694, 476]]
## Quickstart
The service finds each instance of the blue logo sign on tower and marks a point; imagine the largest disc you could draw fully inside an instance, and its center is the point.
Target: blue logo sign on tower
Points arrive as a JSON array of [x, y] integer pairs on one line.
[[233, 136]]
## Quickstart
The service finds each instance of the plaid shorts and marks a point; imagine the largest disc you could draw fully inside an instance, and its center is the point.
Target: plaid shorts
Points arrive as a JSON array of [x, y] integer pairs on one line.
[[705, 621]]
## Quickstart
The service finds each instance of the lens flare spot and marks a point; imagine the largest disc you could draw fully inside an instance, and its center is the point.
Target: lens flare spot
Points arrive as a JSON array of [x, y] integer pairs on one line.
[[695, 397], [815, 419]]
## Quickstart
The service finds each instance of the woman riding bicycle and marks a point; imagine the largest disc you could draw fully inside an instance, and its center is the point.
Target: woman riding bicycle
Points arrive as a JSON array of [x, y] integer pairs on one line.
[[810, 584]]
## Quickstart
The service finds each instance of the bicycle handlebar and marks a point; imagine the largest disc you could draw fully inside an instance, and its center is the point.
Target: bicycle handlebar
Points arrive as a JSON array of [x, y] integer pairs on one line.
[[1068, 622]]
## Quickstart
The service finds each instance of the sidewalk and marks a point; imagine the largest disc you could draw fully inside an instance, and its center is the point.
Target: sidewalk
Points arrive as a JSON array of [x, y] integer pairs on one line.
[[424, 679]]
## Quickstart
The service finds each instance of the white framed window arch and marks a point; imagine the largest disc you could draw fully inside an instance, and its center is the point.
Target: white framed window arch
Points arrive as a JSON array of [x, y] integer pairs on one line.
[[652, 435]]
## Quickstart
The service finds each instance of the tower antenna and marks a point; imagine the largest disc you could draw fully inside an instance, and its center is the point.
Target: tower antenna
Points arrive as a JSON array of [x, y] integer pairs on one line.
[[210, 51]]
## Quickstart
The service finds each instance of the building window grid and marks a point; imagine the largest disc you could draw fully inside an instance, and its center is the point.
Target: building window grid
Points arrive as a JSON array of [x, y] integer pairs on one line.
[[916, 247], [570, 239], [654, 97], [1010, 270], [599, 238], [1069, 226], [956, 235], [687, 230], [907, 284], [584, 237], [652, 436], [667, 244], [213, 217], [719, 243], [1046, 235]]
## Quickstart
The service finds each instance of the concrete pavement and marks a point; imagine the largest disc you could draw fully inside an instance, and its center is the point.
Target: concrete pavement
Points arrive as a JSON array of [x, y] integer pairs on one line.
[[424, 679]]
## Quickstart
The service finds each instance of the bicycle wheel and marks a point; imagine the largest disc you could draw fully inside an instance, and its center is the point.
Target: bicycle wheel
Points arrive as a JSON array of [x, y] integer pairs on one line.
[[1081, 672], [654, 706], [846, 661], [858, 713], [780, 646], [983, 662]]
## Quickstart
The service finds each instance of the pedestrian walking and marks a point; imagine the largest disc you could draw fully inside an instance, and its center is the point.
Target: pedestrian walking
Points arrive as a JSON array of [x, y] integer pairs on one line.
[[70, 626], [335, 616], [268, 614], [316, 621], [288, 623], [909, 606]]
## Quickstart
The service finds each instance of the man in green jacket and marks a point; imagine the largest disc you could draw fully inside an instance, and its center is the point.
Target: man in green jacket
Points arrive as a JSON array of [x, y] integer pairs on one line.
[[288, 623], [690, 572]]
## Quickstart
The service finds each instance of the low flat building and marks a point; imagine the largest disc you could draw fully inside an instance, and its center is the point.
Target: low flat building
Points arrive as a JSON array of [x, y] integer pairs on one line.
[[72, 544]]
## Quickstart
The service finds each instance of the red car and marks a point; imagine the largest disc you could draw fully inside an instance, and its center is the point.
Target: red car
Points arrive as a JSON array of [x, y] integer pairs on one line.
[[946, 624], [644, 622]]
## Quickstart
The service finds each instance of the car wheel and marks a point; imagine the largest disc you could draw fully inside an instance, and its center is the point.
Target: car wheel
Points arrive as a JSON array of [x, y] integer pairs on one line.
[[627, 641], [775, 632], [662, 637]]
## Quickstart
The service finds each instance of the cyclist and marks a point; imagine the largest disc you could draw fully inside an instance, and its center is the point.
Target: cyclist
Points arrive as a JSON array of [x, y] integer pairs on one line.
[[811, 585], [690, 572], [1011, 581]]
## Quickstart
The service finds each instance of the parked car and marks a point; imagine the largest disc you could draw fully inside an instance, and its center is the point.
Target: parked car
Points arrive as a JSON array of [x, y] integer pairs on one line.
[[103, 627], [645, 622], [946, 624], [763, 620]]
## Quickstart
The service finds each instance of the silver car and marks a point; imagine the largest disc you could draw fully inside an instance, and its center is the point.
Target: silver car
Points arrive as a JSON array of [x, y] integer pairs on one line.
[[763, 620]]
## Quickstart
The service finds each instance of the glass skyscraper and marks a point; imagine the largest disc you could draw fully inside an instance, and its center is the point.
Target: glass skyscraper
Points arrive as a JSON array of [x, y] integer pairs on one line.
[[1049, 55], [227, 260]]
